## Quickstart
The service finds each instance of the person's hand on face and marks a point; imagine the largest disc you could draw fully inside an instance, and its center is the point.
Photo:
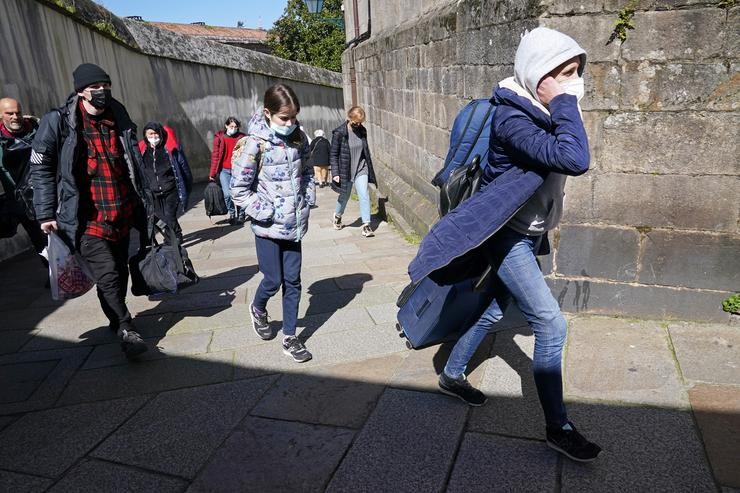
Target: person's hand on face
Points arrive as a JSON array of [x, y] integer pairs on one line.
[[550, 86]]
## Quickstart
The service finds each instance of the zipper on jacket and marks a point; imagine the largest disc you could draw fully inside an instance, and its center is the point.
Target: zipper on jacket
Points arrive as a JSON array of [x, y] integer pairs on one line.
[[295, 196]]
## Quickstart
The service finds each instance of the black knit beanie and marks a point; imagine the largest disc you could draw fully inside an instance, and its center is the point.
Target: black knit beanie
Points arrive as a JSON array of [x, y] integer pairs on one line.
[[88, 73]]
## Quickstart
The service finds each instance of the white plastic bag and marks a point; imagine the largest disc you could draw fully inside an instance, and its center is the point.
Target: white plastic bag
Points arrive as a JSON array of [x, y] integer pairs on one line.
[[69, 276]]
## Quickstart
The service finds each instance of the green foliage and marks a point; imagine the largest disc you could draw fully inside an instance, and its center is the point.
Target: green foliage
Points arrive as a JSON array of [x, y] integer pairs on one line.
[[623, 22], [66, 6], [108, 28], [732, 304], [412, 238], [305, 38]]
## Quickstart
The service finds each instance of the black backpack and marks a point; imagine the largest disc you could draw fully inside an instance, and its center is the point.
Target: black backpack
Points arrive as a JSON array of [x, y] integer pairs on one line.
[[215, 202]]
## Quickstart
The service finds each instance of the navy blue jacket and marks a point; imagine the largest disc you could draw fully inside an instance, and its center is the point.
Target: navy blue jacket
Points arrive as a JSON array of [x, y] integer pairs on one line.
[[525, 145]]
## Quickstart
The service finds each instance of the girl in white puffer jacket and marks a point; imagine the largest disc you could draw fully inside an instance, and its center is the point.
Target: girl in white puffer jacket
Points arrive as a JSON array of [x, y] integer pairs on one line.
[[272, 181]]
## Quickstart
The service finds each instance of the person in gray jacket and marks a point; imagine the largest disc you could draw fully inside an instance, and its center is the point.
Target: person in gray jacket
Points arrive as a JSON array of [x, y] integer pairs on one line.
[[272, 180]]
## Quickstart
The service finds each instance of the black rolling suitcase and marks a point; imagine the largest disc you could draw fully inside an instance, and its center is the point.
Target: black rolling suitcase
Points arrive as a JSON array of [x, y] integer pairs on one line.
[[430, 313]]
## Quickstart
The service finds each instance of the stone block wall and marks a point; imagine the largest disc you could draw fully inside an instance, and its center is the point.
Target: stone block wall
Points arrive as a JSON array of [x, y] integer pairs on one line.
[[191, 84], [653, 228]]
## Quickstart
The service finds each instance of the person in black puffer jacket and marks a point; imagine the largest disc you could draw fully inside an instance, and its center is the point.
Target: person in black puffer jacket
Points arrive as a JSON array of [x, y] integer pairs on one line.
[[165, 176]]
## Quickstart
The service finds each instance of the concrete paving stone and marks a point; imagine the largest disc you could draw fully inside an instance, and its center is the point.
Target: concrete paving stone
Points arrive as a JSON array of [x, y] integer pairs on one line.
[[407, 444], [12, 482], [320, 259], [22, 373], [377, 278], [314, 287], [644, 449], [330, 302], [186, 302], [328, 348], [105, 355], [275, 456], [707, 352], [18, 381], [47, 443], [234, 338], [177, 431], [209, 319], [69, 335], [513, 408], [83, 318], [618, 360], [338, 395], [421, 368], [347, 318], [216, 283], [332, 271], [94, 476], [717, 413], [12, 340], [5, 421], [21, 319], [142, 377], [383, 314], [492, 463]]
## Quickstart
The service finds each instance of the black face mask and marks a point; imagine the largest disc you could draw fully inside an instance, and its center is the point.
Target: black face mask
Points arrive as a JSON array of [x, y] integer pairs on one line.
[[355, 126], [100, 98]]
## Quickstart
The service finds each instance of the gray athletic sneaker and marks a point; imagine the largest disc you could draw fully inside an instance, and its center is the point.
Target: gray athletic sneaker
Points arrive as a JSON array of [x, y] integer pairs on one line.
[[260, 324], [294, 348]]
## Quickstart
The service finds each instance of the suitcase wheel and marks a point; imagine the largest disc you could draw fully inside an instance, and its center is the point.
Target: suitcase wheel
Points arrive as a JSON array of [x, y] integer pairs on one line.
[[398, 327], [409, 345]]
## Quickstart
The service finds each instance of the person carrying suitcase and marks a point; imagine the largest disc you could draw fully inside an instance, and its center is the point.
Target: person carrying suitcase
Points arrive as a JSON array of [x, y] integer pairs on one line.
[[537, 140]]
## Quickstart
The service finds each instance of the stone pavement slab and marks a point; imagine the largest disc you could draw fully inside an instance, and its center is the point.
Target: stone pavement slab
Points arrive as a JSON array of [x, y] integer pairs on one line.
[[513, 407], [617, 360], [267, 455], [37, 384], [144, 377], [177, 431], [47, 443], [95, 476], [329, 348], [707, 352], [645, 449], [105, 355], [717, 412], [11, 482], [492, 463], [407, 444], [339, 395]]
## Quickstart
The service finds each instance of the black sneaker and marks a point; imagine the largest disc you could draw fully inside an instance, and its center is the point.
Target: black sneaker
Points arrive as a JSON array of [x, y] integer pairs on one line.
[[241, 218], [131, 343], [294, 348], [232, 218], [337, 222], [461, 389], [260, 324], [572, 444], [367, 231]]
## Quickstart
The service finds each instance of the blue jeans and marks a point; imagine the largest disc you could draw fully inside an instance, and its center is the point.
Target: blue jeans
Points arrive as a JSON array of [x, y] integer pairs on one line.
[[363, 194], [521, 282], [225, 179], [280, 265]]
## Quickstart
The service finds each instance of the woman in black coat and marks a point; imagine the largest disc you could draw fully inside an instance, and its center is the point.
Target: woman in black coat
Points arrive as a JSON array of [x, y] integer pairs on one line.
[[351, 164]]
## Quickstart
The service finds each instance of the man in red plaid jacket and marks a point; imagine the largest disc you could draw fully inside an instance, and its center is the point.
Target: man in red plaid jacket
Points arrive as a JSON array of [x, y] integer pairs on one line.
[[87, 188]]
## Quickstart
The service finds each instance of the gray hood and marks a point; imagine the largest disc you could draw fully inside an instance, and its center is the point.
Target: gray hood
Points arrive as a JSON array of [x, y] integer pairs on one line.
[[540, 51]]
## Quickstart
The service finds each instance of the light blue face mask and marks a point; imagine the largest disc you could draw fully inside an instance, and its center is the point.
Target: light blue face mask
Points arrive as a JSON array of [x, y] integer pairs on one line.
[[283, 130]]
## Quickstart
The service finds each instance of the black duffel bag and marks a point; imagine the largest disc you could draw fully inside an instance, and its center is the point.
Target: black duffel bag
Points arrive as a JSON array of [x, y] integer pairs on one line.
[[161, 268]]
